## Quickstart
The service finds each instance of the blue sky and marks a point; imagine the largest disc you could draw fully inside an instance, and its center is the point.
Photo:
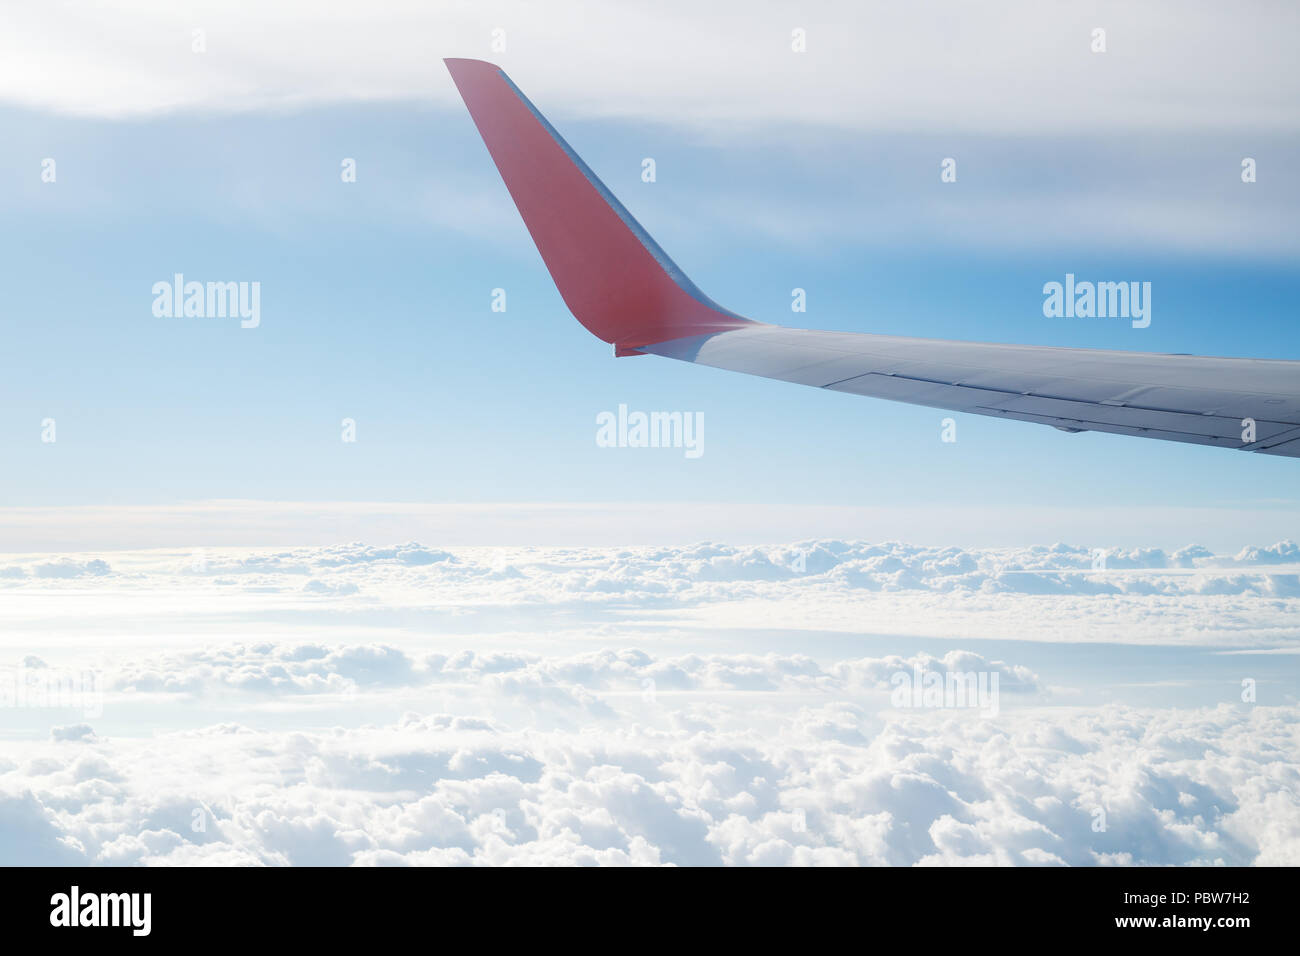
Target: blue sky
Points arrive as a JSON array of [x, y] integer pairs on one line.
[[375, 306]]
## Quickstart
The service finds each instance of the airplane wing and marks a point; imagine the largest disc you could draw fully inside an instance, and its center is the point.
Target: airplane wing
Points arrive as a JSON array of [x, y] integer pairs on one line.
[[625, 290]]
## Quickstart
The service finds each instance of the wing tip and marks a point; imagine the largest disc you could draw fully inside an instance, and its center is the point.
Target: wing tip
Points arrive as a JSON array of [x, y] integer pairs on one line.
[[464, 66], [615, 279]]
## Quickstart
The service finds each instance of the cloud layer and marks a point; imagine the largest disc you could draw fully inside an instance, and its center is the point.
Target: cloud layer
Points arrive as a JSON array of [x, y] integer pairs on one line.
[[1017, 67], [825, 783], [1059, 593], [417, 705]]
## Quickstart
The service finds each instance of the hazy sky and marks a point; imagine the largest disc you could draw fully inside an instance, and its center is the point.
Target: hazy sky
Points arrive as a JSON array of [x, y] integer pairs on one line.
[[775, 170]]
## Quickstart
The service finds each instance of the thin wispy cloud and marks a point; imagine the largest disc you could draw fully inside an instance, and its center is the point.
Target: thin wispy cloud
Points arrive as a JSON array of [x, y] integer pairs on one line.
[[1023, 66]]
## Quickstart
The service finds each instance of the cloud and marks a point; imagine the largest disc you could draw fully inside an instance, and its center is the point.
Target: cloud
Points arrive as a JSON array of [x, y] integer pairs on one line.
[[66, 568], [1026, 67], [1210, 786], [1061, 592], [72, 732], [30, 836], [1284, 552], [584, 681], [706, 704]]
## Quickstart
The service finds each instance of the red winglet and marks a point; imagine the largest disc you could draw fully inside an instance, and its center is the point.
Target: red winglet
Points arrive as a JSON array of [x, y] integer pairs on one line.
[[614, 278]]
